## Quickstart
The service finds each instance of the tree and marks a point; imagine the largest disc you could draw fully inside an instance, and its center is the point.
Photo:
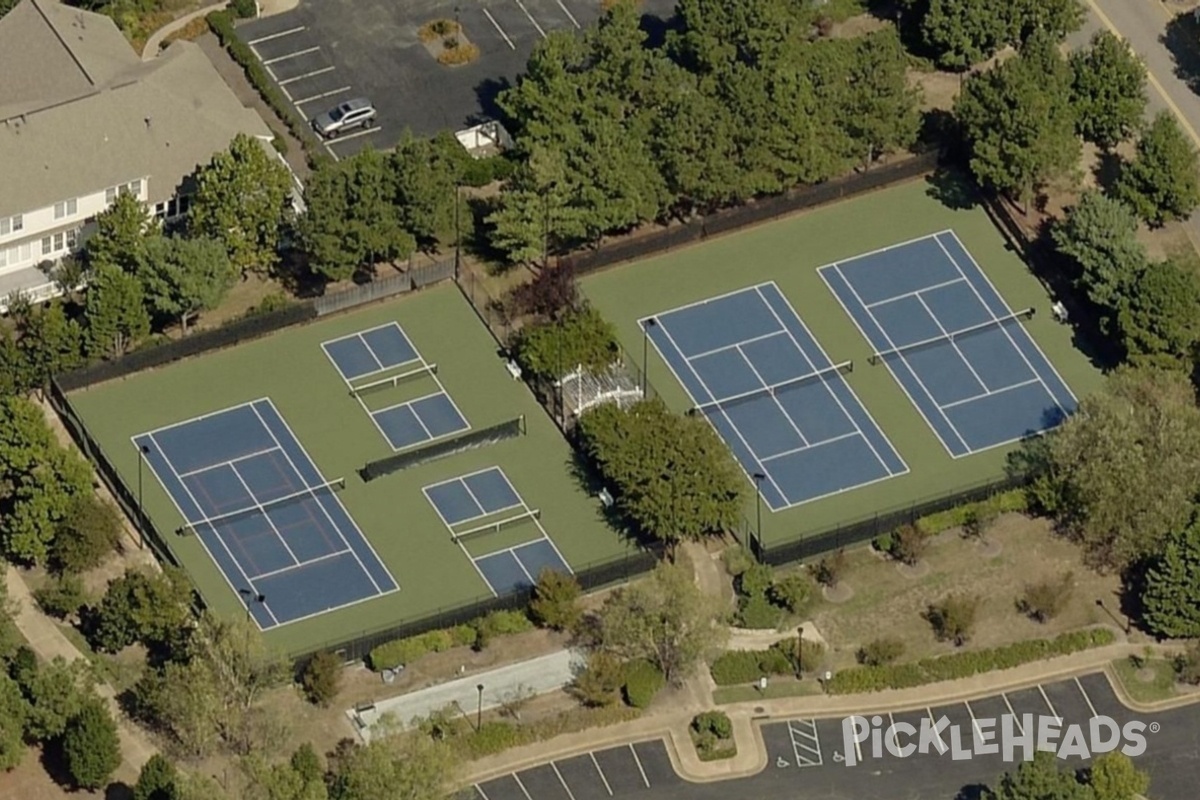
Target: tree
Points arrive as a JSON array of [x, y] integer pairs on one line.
[[1161, 182], [555, 602], [664, 619], [580, 338], [1114, 777], [1043, 601], [551, 294], [299, 778], [673, 475], [424, 175], [13, 712], [91, 747], [1171, 597], [1125, 469], [11, 640], [1039, 779], [57, 693], [882, 112], [143, 605], [321, 678], [182, 277], [953, 618], [1157, 322], [1018, 121], [50, 343], [1108, 90], [122, 232], [1100, 235], [352, 221], [392, 768], [115, 312], [86, 535], [157, 780], [964, 32], [243, 199]]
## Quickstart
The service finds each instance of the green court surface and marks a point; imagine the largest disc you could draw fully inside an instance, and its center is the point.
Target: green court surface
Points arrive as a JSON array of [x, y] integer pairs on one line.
[[291, 369], [789, 252]]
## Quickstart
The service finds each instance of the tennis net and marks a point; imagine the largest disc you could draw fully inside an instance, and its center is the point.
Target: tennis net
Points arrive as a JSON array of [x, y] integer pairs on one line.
[[497, 526], [394, 380], [320, 490], [878, 358], [843, 368]]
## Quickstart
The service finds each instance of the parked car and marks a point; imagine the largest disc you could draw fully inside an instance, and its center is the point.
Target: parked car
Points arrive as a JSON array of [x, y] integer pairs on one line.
[[356, 113]]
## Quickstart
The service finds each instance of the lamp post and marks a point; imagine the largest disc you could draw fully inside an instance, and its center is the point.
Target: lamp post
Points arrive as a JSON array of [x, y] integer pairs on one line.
[[253, 597], [800, 652], [143, 451], [650, 323], [457, 203], [479, 708], [1125, 626], [758, 479]]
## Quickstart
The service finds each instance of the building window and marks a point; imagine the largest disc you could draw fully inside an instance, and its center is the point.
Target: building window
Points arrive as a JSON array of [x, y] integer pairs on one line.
[[65, 209], [58, 242], [135, 187], [110, 195], [47, 246], [160, 210], [11, 224], [72, 238]]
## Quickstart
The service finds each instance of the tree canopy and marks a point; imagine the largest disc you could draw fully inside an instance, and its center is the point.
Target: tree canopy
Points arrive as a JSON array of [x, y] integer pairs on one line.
[[182, 277], [1161, 183], [1171, 599], [1108, 90]]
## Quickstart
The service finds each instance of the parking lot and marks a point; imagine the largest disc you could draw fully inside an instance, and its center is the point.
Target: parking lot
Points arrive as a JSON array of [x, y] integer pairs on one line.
[[625, 771], [322, 55]]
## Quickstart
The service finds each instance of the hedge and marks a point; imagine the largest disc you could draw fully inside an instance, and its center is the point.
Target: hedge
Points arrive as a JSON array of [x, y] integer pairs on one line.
[[405, 651], [857, 680], [958, 516], [747, 666], [496, 736]]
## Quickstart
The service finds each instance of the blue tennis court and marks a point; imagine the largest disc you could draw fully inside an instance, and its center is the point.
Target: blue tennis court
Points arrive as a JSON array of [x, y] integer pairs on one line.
[[754, 370], [271, 522], [952, 343], [370, 361], [464, 502]]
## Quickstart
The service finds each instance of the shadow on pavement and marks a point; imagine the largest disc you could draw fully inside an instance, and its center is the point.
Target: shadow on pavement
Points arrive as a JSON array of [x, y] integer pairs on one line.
[[1182, 40]]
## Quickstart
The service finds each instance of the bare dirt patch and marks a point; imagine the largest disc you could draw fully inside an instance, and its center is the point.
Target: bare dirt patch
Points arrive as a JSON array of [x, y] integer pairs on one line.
[[857, 26]]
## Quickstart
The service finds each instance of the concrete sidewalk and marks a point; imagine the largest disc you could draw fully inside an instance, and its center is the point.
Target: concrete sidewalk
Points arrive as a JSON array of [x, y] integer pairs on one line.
[[524, 679]]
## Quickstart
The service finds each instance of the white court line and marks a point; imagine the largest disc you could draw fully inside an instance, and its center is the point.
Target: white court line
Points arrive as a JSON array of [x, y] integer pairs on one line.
[[300, 564], [320, 96], [1049, 704], [990, 393], [481, 792], [639, 765], [371, 350], [1016, 719], [916, 293], [570, 16], [570, 794], [531, 19], [408, 403], [296, 54], [950, 338], [500, 30], [596, 764], [190, 420], [517, 778], [288, 32], [228, 463], [774, 397], [312, 74], [736, 345], [795, 450], [348, 136], [1087, 699]]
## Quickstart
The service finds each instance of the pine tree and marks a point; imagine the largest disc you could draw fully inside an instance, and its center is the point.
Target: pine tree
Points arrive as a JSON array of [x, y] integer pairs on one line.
[[1171, 601], [1161, 182]]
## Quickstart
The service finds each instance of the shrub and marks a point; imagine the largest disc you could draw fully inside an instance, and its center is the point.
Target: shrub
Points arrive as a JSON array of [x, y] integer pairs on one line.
[[463, 635], [909, 545], [1187, 665], [23, 665], [643, 681], [436, 29], [880, 652], [1015, 500], [321, 678], [601, 681], [953, 618], [883, 543], [775, 660], [275, 301], [157, 780], [793, 592], [831, 569], [736, 666], [456, 52], [1044, 601], [757, 612], [62, 597], [979, 519], [798, 656], [555, 602], [504, 623], [737, 560], [89, 532], [244, 9], [715, 722], [90, 746], [754, 581]]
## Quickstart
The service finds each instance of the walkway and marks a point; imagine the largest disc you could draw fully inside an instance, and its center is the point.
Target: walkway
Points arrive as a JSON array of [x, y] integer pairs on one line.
[[154, 43]]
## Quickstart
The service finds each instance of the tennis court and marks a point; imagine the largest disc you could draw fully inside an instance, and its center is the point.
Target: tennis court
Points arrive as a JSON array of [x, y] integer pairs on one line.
[[959, 352], [501, 535], [382, 360], [752, 367], [273, 525]]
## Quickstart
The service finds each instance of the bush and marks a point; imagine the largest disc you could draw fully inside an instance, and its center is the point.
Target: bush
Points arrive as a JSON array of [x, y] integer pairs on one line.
[[436, 29], [953, 618], [775, 660], [757, 612], [1044, 601], [244, 9], [909, 545], [1187, 665], [643, 681], [555, 602], [958, 517], [23, 665], [157, 780], [754, 581], [883, 543], [966, 664], [793, 592], [736, 666], [90, 746], [600, 682], [979, 519], [737, 560], [479, 172], [880, 652], [397, 652], [87, 534], [504, 623], [322, 678], [62, 596], [715, 722], [831, 569], [797, 656], [456, 52]]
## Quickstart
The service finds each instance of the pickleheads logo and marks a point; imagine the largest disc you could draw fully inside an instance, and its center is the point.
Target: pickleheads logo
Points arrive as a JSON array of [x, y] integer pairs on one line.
[[1017, 738]]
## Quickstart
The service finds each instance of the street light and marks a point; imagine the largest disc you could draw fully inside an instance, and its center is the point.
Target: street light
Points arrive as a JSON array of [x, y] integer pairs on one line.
[[650, 323], [1125, 626], [758, 479], [254, 597], [479, 709], [143, 451], [457, 203], [800, 652]]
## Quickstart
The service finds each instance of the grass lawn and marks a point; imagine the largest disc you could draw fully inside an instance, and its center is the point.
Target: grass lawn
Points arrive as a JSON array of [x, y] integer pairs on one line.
[[291, 369], [776, 687], [788, 252], [1151, 683]]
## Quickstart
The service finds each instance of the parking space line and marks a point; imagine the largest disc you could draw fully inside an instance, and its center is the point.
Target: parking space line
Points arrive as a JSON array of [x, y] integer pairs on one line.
[[268, 38], [596, 764], [347, 137], [482, 794], [321, 95], [639, 763], [296, 54], [1016, 719], [554, 767], [974, 722], [531, 19], [1086, 698], [570, 16], [315, 72], [1049, 705], [524, 791], [499, 30]]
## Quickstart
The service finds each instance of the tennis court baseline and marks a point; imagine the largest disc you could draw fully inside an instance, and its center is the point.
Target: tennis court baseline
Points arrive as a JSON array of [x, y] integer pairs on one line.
[[463, 502], [273, 525], [952, 343], [384, 349], [755, 371]]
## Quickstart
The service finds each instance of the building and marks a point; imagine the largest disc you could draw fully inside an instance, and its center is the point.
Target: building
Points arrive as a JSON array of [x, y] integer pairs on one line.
[[82, 118]]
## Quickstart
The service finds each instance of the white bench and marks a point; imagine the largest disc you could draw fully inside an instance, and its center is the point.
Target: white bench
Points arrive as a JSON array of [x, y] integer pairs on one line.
[[513, 369], [1059, 311]]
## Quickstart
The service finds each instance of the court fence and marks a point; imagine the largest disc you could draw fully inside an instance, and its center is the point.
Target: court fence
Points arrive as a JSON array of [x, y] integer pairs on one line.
[[864, 529], [595, 575]]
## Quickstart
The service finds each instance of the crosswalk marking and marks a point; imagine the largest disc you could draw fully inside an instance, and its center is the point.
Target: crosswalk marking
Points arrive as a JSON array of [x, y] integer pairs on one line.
[[806, 742]]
